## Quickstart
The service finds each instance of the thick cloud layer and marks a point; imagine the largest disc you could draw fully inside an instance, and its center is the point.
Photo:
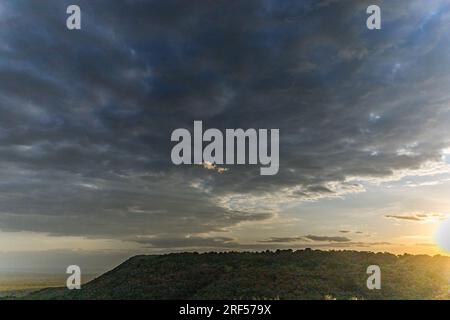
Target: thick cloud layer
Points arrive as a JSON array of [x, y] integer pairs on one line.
[[86, 115]]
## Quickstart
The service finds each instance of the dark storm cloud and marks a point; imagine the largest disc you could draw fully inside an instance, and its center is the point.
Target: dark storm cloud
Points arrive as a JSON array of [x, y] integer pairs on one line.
[[87, 115]]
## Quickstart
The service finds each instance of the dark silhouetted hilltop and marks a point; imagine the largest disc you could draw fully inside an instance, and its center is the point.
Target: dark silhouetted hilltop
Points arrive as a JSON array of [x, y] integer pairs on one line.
[[284, 274]]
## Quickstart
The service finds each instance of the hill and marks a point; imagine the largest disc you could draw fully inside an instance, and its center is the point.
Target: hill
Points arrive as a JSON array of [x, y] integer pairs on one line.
[[284, 274]]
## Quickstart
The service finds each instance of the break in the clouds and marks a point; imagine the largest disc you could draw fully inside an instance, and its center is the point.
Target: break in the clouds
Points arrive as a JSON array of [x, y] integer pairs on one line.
[[86, 115]]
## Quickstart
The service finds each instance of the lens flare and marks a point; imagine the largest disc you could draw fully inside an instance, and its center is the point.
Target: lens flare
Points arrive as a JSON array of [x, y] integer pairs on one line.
[[442, 236]]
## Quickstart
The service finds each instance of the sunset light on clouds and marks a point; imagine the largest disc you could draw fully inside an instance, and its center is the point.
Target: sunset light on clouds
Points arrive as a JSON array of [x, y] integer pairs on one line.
[[87, 116]]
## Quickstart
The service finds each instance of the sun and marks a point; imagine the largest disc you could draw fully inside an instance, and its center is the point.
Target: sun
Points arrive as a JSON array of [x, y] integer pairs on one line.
[[442, 236]]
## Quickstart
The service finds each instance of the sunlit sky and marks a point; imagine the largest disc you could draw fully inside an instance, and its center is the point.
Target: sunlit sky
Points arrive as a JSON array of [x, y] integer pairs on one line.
[[86, 174]]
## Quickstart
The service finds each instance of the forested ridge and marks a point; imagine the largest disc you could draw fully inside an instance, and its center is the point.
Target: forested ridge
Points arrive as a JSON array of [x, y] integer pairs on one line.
[[282, 274]]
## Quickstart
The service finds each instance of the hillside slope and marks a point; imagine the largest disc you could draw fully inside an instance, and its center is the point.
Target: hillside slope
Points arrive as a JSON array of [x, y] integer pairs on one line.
[[304, 274]]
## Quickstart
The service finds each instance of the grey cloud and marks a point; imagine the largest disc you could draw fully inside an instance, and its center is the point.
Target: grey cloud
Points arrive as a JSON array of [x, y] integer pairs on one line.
[[284, 239], [398, 217], [416, 216], [96, 107], [306, 239], [188, 242], [326, 238]]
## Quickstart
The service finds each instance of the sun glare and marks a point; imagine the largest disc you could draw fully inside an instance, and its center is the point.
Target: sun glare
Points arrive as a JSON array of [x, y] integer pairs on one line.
[[442, 236]]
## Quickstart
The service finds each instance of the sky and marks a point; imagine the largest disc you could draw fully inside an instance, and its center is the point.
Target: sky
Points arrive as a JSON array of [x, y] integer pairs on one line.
[[86, 117]]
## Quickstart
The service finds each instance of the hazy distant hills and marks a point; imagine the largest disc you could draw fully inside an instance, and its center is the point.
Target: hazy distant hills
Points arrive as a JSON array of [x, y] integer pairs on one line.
[[305, 274]]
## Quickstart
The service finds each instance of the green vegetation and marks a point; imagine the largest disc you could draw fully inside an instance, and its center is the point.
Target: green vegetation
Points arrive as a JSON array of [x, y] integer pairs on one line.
[[285, 274]]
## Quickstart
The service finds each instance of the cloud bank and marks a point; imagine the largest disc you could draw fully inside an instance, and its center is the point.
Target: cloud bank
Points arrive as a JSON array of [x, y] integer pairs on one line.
[[87, 115]]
